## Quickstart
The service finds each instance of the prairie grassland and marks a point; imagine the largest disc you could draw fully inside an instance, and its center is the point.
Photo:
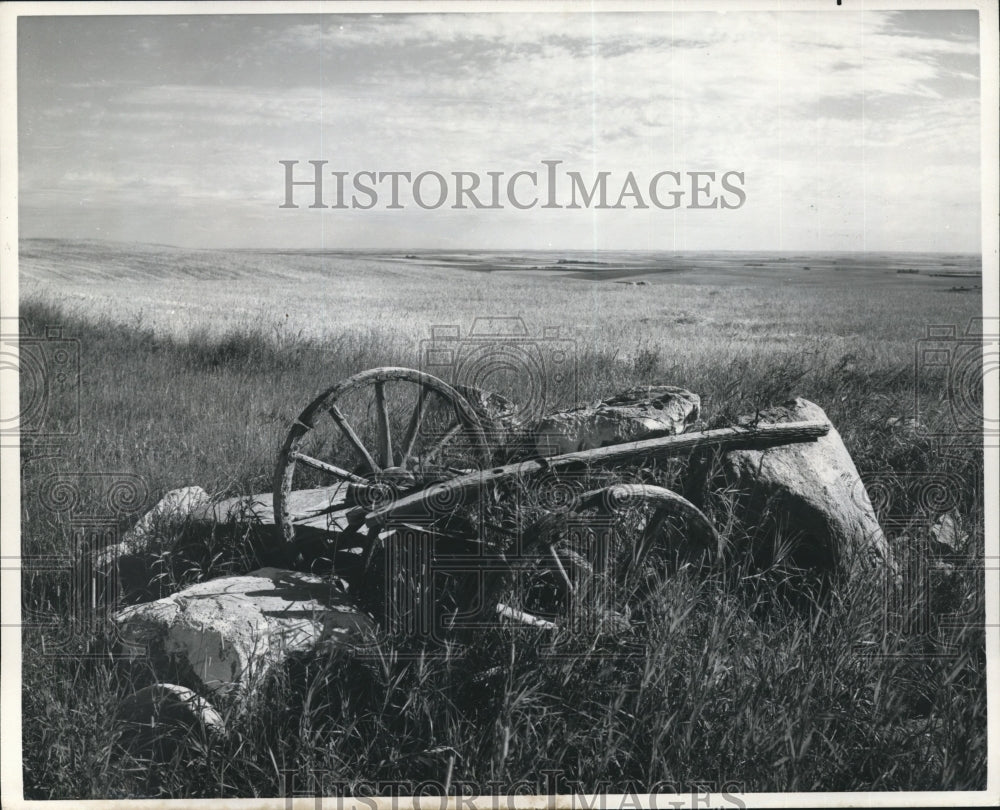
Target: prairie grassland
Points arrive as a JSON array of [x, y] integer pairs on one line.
[[722, 309], [192, 365]]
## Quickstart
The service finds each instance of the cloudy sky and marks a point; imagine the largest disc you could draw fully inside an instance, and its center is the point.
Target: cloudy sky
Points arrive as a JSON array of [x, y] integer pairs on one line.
[[854, 131]]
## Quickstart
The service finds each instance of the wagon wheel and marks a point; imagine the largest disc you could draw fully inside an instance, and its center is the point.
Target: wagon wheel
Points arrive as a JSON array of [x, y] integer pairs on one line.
[[368, 439], [595, 563]]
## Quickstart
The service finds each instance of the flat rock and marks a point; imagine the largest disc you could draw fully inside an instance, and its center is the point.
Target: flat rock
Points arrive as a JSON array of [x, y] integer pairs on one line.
[[809, 494], [223, 635], [641, 413]]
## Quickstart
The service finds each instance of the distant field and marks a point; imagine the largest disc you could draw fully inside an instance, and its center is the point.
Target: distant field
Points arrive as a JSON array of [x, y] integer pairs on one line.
[[194, 363], [690, 305]]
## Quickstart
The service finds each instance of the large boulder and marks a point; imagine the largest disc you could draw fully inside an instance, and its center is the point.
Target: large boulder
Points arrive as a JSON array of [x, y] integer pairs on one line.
[[804, 504], [223, 635], [640, 413]]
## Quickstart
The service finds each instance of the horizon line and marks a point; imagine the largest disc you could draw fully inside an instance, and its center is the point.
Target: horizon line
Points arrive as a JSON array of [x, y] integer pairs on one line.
[[452, 249]]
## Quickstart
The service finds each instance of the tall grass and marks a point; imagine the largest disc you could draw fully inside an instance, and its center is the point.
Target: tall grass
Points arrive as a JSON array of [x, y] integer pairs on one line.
[[723, 684]]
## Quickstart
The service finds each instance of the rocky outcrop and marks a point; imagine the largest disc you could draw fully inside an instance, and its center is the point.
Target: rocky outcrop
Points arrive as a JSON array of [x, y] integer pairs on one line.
[[130, 564], [224, 635], [499, 417], [804, 504], [641, 413], [153, 533], [492, 408]]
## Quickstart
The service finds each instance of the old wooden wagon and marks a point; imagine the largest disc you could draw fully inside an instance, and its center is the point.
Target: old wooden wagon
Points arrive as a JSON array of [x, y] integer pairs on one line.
[[438, 496]]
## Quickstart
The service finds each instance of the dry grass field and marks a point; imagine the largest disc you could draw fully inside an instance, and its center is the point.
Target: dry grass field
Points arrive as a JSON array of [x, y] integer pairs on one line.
[[193, 363], [686, 304]]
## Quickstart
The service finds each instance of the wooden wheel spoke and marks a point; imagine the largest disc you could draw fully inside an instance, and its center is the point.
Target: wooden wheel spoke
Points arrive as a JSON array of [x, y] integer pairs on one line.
[[416, 420], [384, 433], [352, 437], [562, 570], [323, 466]]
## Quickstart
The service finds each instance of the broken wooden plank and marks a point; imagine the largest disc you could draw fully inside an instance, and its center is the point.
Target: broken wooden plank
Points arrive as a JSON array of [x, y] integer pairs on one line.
[[520, 616]]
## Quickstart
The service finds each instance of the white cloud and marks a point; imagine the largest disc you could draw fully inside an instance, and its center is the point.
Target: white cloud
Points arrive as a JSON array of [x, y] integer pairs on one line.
[[792, 99]]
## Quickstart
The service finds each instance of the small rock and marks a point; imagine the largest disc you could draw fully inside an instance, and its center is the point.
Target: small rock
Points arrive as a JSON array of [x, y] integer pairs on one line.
[[172, 510], [169, 704], [159, 718], [223, 635], [641, 413], [947, 532]]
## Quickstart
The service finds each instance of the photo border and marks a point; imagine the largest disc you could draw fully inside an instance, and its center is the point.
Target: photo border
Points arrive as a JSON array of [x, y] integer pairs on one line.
[[11, 773]]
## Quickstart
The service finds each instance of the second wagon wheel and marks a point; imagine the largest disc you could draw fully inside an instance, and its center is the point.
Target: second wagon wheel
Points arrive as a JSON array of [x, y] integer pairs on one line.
[[600, 561], [369, 439]]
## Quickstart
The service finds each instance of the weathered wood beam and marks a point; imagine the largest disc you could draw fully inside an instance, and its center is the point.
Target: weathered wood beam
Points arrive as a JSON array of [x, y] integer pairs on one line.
[[464, 486]]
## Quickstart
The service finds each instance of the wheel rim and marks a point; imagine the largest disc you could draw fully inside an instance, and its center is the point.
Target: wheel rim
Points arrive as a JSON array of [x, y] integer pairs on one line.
[[562, 577], [378, 434]]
